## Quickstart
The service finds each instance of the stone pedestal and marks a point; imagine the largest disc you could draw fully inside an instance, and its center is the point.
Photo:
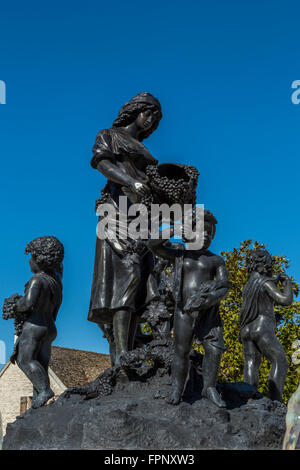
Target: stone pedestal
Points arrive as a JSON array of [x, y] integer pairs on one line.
[[136, 416]]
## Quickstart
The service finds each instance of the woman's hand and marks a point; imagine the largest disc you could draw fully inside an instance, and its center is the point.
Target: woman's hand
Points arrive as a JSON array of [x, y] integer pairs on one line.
[[139, 188], [135, 191]]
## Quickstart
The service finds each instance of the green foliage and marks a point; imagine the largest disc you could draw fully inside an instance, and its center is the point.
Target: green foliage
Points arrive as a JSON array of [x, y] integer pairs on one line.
[[146, 328], [288, 329]]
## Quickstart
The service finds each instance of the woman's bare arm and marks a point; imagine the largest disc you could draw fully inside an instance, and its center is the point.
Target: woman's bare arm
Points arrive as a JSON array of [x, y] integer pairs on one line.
[[113, 173]]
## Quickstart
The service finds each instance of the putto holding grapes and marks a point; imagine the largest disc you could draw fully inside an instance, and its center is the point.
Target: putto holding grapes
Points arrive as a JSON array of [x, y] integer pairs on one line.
[[35, 314]]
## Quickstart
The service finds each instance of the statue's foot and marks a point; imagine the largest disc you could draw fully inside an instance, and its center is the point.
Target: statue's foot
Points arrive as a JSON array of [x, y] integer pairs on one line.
[[174, 398], [42, 398], [213, 395]]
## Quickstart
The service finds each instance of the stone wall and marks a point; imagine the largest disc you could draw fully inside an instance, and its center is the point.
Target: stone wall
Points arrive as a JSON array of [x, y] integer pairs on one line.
[[14, 385]]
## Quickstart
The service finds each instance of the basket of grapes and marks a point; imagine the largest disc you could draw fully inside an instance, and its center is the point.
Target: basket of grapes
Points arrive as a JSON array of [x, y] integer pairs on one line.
[[172, 183]]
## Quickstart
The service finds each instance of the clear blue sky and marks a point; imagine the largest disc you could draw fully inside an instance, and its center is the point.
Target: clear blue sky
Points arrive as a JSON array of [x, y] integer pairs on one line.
[[222, 71]]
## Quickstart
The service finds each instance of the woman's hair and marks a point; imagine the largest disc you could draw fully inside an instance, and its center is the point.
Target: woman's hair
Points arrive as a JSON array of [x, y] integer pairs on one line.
[[138, 104], [259, 261], [48, 252]]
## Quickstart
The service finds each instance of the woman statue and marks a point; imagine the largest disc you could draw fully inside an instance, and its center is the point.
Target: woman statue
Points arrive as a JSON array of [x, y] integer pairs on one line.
[[122, 281]]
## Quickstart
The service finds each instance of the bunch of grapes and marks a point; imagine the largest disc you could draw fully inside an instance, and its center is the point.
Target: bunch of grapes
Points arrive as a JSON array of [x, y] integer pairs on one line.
[[148, 199], [9, 306], [105, 386], [9, 311], [192, 173]]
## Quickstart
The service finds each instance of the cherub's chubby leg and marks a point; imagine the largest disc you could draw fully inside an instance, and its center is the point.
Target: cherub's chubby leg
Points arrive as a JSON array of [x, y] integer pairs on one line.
[[29, 346], [252, 360], [271, 347], [210, 372], [44, 357], [183, 336]]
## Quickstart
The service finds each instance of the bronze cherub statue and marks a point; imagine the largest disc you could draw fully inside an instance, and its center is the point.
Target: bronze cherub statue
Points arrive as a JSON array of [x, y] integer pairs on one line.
[[35, 314], [257, 321], [201, 283]]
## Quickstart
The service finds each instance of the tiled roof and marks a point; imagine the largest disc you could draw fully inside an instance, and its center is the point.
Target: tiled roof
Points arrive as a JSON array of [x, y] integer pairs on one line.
[[76, 367]]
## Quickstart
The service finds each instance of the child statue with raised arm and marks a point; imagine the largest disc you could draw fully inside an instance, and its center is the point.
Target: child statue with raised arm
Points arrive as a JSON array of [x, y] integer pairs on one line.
[[201, 283], [257, 321]]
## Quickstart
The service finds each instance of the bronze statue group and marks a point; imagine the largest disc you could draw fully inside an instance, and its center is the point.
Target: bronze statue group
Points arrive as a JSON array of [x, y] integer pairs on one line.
[[127, 279]]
